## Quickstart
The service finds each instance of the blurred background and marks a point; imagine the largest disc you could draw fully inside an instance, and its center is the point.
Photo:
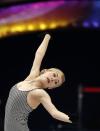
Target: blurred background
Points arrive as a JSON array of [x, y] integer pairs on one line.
[[74, 47]]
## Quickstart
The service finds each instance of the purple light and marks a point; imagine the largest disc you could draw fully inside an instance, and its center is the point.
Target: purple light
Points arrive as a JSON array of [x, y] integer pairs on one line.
[[86, 24], [25, 12], [95, 24]]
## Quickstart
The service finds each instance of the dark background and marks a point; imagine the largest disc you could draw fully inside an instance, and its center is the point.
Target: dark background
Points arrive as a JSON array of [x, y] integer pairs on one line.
[[75, 51]]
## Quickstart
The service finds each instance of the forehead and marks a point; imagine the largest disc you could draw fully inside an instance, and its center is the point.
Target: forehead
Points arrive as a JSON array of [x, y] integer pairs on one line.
[[51, 70], [55, 72]]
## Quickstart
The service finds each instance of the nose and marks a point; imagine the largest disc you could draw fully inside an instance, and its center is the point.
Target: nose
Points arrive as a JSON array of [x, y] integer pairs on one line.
[[53, 79]]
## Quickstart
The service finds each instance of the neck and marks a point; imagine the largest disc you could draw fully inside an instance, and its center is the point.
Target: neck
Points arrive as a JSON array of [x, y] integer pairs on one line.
[[37, 83]]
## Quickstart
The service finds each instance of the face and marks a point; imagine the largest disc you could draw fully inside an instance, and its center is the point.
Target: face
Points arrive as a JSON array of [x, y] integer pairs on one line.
[[51, 79]]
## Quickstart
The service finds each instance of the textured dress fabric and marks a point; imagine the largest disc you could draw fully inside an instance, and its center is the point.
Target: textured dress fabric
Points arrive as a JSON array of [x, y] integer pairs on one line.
[[17, 111]]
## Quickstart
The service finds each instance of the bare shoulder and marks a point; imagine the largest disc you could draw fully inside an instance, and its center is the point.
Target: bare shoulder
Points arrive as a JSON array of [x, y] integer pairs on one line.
[[38, 93]]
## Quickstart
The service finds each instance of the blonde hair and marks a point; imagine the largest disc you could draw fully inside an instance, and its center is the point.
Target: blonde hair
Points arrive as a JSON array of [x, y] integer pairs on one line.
[[55, 70]]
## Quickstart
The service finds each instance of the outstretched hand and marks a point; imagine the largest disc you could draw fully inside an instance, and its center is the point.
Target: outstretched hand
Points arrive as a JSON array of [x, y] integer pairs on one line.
[[47, 36], [69, 121]]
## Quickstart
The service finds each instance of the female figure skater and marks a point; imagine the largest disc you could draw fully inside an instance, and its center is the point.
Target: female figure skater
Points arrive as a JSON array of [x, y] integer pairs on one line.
[[26, 95]]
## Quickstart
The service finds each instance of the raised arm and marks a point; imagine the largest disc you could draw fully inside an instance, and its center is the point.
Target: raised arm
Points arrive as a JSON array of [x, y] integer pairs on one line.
[[45, 100], [35, 70]]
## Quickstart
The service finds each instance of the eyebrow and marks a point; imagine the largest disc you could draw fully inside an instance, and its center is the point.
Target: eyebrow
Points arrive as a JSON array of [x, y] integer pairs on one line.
[[53, 72]]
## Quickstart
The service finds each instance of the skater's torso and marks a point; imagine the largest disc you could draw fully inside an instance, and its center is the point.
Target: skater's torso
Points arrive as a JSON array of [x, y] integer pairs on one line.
[[17, 110]]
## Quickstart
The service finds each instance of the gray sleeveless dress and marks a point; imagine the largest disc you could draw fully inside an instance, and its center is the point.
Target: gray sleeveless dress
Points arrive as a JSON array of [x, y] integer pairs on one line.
[[17, 111]]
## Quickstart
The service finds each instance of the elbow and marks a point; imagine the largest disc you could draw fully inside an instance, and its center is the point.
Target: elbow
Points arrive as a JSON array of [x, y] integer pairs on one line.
[[39, 53]]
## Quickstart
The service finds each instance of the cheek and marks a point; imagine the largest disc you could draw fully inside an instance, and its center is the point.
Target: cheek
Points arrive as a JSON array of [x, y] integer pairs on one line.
[[54, 84], [51, 84]]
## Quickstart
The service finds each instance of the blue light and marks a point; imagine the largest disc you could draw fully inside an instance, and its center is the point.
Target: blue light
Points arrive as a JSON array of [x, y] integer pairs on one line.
[[96, 4], [94, 16], [95, 24]]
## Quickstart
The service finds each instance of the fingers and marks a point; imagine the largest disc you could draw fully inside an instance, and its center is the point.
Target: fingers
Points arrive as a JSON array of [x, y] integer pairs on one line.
[[47, 37], [69, 121], [67, 117]]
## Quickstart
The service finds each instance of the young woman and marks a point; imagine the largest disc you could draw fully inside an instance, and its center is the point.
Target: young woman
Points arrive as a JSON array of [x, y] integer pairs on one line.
[[25, 96]]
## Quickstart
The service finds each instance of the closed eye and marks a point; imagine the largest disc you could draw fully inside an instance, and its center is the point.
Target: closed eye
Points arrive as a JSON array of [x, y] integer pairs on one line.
[[54, 75]]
